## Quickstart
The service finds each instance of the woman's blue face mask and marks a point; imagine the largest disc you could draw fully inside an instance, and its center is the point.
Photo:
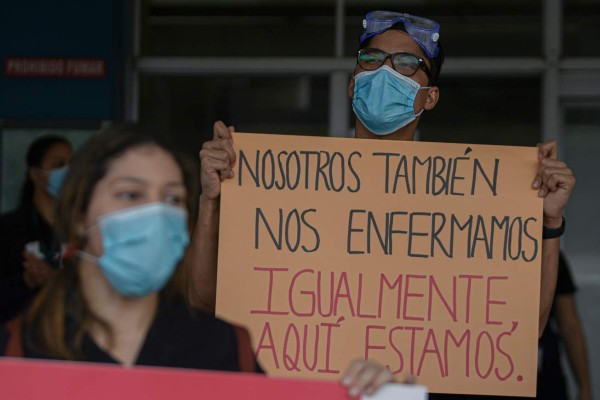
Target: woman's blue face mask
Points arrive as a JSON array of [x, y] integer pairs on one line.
[[141, 247]]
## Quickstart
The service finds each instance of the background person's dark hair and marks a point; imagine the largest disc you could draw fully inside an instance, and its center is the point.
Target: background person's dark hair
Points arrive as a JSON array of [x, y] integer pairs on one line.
[[36, 152], [436, 62]]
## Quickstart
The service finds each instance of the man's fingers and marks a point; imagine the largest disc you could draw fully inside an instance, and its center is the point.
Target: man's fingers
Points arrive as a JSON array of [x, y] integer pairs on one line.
[[548, 172], [216, 165], [546, 164], [214, 154], [537, 182], [223, 134], [548, 150], [557, 180], [220, 165], [220, 131], [552, 163], [548, 169], [218, 150], [220, 145]]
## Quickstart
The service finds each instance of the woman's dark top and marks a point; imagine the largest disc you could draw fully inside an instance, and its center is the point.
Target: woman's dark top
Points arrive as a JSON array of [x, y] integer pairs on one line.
[[18, 228], [179, 337]]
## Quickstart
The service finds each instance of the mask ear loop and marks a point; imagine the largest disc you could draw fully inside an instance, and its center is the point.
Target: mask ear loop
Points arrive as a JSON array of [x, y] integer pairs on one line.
[[87, 256], [73, 251], [70, 252], [421, 112]]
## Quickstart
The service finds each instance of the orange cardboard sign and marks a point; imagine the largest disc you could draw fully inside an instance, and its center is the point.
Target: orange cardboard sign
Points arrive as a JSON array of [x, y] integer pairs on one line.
[[423, 256]]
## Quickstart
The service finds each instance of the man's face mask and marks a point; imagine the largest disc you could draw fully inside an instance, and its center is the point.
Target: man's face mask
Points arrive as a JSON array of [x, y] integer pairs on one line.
[[142, 246], [384, 100]]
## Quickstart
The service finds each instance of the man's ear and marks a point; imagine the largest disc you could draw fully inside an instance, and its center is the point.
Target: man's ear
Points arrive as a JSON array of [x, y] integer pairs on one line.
[[433, 95], [351, 88]]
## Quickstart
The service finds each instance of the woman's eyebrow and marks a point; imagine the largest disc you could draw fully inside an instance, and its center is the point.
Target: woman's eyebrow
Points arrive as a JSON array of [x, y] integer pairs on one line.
[[141, 181], [175, 183], [131, 179]]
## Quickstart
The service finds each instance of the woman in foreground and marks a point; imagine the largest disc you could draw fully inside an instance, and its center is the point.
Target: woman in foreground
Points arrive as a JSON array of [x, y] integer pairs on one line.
[[121, 296]]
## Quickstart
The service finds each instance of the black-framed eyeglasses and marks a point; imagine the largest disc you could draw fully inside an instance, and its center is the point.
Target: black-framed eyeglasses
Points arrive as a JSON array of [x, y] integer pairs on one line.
[[406, 63]]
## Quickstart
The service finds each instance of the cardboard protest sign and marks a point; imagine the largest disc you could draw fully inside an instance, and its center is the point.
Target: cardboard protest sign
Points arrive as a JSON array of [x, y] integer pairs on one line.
[[423, 256]]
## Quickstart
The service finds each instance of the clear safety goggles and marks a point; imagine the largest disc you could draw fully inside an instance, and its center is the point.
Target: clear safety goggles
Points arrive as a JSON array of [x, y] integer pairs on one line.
[[424, 31]]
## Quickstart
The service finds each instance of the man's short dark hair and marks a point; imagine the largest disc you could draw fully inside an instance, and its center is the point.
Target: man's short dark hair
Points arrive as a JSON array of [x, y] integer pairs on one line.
[[436, 62]]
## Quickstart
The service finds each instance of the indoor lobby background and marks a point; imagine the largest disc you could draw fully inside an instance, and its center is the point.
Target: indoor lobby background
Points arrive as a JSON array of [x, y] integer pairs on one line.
[[517, 72]]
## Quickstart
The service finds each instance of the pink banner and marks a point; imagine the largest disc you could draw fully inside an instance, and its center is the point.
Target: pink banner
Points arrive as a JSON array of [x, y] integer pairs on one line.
[[54, 380]]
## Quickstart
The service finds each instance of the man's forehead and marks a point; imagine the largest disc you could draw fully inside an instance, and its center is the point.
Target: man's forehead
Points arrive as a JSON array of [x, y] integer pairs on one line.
[[394, 41]]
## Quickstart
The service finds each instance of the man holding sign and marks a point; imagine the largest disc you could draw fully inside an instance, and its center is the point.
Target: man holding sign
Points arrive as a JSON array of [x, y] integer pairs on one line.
[[394, 82]]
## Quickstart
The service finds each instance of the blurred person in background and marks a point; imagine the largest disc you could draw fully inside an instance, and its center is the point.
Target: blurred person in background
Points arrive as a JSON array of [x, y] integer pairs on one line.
[[563, 334], [28, 245]]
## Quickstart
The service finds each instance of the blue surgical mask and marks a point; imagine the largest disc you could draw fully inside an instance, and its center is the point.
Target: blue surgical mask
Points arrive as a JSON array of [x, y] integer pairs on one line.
[[142, 246], [56, 178], [384, 100]]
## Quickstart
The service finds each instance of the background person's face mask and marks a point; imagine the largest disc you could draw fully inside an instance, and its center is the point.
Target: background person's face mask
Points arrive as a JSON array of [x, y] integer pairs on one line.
[[384, 100], [56, 178], [142, 246]]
